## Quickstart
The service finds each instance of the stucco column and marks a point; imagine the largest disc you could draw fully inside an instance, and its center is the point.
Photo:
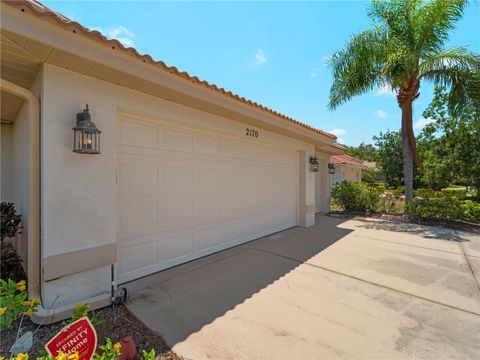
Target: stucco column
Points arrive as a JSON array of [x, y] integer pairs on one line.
[[306, 189]]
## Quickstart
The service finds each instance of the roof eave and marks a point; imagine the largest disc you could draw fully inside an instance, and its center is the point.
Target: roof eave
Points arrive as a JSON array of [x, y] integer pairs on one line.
[[76, 39]]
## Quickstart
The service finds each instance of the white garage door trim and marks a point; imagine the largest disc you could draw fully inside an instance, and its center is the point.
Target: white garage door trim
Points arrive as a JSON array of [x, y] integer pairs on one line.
[[183, 193]]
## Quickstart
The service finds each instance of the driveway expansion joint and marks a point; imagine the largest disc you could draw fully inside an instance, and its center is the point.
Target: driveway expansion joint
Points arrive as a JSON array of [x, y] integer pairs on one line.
[[466, 255], [370, 282]]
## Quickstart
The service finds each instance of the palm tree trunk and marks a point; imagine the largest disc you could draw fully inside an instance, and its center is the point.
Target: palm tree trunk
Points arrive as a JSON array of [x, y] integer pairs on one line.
[[407, 151]]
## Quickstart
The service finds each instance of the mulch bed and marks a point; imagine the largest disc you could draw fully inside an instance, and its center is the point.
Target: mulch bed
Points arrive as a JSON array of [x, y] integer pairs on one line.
[[118, 323], [461, 226]]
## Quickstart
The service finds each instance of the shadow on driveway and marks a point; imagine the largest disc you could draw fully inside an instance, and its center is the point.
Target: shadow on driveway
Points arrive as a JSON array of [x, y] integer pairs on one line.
[[180, 301]]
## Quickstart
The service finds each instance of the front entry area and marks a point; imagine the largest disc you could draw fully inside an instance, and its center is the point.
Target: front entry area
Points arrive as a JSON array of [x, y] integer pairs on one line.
[[185, 193]]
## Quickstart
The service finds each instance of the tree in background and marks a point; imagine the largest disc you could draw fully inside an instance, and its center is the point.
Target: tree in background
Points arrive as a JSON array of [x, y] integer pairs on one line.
[[450, 145], [366, 152], [404, 47], [389, 157]]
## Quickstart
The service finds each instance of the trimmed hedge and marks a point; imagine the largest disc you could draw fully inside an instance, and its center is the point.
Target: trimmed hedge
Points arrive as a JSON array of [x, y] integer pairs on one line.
[[355, 196], [430, 204], [459, 193], [471, 211], [444, 209]]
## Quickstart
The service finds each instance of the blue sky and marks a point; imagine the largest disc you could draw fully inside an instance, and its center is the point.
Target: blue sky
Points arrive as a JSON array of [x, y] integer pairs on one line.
[[270, 52]]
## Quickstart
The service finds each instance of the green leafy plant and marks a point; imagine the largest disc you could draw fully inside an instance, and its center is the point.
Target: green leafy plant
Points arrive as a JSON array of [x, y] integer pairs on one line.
[[443, 209], [471, 211], [387, 202], [13, 302], [80, 311], [110, 351], [426, 193], [10, 221], [355, 196], [10, 225], [399, 191], [369, 175], [458, 192], [150, 355]]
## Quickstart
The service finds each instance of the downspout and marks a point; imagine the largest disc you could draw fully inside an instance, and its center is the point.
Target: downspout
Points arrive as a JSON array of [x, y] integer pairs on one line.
[[33, 224]]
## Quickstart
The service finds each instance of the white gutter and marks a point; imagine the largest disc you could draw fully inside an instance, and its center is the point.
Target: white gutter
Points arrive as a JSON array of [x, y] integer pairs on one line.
[[33, 222]]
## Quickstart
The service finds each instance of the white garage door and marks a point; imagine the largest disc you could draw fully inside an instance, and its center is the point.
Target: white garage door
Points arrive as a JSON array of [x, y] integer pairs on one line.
[[183, 194]]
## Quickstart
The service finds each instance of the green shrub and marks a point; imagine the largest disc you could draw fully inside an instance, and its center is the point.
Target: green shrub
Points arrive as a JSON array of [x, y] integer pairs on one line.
[[471, 211], [399, 192], [458, 193], [369, 175], [444, 209], [387, 202], [355, 196], [380, 186], [426, 193]]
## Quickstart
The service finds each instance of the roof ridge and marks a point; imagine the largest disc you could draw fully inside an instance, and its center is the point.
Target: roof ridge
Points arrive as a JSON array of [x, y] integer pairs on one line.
[[39, 9]]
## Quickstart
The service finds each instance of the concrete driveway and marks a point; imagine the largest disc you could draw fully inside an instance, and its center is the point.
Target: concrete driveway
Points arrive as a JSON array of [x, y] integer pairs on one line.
[[358, 288]]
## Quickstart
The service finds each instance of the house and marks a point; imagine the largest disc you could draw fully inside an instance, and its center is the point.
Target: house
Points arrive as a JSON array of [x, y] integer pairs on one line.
[[181, 168], [347, 168]]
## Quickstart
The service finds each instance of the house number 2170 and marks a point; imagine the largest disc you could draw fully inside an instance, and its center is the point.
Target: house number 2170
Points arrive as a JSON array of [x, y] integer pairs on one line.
[[251, 133]]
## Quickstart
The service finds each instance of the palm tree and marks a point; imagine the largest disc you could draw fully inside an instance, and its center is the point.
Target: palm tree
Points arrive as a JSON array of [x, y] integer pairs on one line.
[[403, 47]]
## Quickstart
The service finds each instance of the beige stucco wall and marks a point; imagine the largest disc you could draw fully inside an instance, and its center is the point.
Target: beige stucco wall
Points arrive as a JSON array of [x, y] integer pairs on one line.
[[346, 173], [6, 179], [322, 186], [79, 195]]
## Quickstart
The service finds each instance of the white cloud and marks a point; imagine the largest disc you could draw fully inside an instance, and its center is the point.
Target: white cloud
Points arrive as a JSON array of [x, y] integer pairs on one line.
[[119, 32], [338, 132], [260, 58], [325, 60], [381, 114], [385, 89], [420, 123], [340, 140], [314, 72]]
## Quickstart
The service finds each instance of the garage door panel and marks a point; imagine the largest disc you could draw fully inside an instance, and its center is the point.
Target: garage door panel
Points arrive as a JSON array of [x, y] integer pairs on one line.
[[207, 208], [134, 215], [177, 246], [232, 205], [137, 257], [177, 211], [205, 239], [232, 178], [135, 175], [206, 145], [178, 176], [187, 194], [178, 140], [207, 177], [138, 133], [232, 149]]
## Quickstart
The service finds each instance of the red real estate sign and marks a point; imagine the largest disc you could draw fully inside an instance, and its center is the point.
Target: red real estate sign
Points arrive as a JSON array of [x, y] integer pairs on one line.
[[78, 336]]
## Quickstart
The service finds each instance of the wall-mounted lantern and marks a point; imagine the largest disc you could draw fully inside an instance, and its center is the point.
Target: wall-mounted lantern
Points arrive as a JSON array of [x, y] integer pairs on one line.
[[86, 136], [331, 168], [314, 165]]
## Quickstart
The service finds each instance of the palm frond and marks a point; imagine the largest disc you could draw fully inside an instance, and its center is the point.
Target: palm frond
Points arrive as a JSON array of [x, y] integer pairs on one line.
[[396, 15], [458, 70], [455, 59], [434, 21], [357, 68]]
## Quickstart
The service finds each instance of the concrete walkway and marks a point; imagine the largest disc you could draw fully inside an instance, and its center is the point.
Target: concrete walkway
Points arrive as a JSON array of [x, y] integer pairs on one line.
[[350, 289]]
